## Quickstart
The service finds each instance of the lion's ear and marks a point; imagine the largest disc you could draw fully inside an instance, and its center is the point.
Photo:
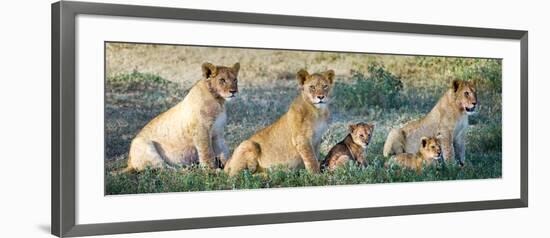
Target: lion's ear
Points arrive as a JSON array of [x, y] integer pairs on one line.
[[351, 128], [236, 68], [424, 141], [371, 125], [456, 85], [474, 82], [209, 70], [302, 76], [330, 75]]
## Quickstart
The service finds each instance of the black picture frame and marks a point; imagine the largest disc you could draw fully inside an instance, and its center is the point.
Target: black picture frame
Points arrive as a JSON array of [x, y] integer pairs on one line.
[[64, 107]]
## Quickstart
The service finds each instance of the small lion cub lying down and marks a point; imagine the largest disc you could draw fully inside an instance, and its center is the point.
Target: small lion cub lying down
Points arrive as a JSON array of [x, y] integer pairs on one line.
[[352, 148], [430, 150]]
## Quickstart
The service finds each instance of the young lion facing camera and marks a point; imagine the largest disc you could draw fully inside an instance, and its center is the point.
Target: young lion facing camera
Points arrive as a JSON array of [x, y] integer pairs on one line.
[[430, 150], [352, 148], [292, 141], [191, 131]]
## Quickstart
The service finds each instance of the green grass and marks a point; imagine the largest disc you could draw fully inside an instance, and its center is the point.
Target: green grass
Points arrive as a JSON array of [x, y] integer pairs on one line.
[[388, 92]]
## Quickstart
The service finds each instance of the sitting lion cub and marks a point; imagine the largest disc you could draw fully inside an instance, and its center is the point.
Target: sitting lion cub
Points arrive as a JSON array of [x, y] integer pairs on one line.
[[293, 140], [448, 117], [430, 150], [191, 131], [352, 148]]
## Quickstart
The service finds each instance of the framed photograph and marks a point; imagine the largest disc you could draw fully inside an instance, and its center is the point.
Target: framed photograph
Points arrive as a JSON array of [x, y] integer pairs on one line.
[[167, 119]]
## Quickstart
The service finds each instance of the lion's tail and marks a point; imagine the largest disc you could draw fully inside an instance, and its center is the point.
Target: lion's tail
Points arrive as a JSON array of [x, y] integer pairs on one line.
[[245, 156], [394, 143], [123, 171]]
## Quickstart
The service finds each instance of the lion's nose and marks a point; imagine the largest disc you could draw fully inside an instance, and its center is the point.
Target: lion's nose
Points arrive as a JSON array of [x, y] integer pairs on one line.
[[233, 91], [321, 97], [474, 103]]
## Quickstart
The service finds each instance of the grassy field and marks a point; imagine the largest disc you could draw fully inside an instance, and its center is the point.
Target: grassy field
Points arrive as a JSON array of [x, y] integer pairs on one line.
[[388, 90]]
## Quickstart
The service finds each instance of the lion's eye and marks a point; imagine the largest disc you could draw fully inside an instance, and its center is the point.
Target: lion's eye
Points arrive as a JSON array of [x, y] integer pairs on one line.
[[361, 135], [325, 87], [311, 87], [222, 81], [433, 146], [466, 94]]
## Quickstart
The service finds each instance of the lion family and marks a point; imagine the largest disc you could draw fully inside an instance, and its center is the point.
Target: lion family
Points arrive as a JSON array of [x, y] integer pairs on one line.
[[192, 132]]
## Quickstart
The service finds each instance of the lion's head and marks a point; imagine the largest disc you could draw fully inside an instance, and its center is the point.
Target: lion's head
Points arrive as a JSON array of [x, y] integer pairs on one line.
[[465, 95], [430, 148], [361, 133], [222, 80], [316, 88]]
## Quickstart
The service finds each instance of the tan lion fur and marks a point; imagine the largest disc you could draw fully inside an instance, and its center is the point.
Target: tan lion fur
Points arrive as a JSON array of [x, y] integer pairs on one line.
[[192, 131], [293, 140], [449, 118], [429, 151], [352, 148]]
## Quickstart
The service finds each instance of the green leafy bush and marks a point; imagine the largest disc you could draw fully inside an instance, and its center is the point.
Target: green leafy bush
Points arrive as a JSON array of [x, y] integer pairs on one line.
[[379, 89]]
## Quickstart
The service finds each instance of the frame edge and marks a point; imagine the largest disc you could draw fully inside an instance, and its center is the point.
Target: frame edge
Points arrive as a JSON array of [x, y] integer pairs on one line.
[[292, 217], [55, 120], [524, 148], [287, 20], [65, 117]]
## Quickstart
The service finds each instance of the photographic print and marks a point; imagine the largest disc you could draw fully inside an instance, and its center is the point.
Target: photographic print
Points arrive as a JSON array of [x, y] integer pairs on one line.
[[172, 121], [184, 118]]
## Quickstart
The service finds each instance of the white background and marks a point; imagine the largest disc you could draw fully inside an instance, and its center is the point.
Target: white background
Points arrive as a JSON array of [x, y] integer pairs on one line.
[[25, 118]]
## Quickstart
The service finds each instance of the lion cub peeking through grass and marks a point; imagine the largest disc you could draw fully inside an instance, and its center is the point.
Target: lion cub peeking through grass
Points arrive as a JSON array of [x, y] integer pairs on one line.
[[430, 151], [293, 140], [191, 131], [352, 148]]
